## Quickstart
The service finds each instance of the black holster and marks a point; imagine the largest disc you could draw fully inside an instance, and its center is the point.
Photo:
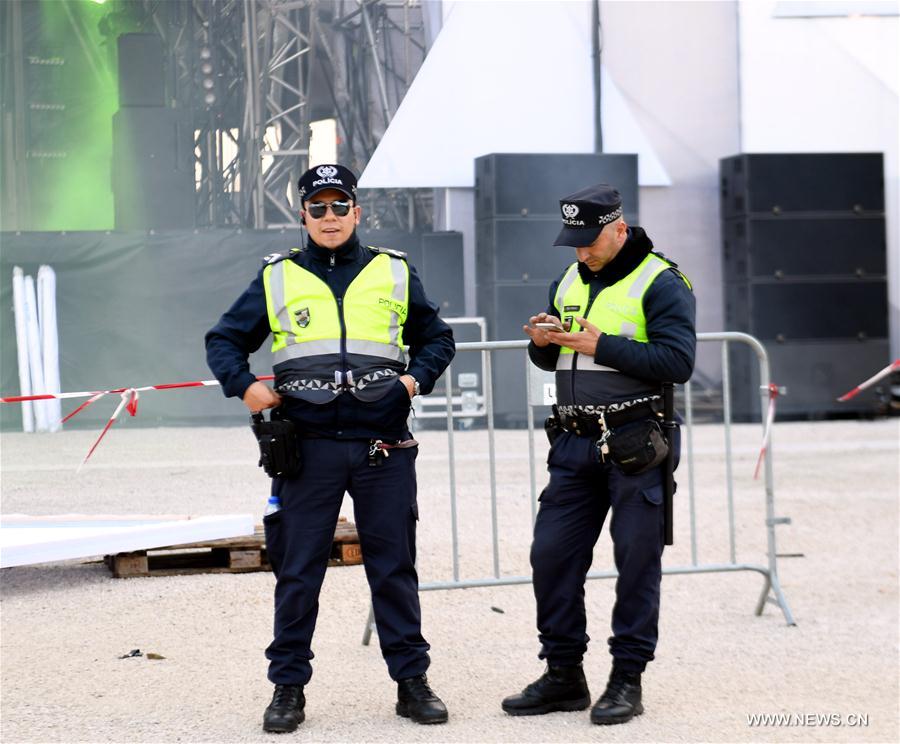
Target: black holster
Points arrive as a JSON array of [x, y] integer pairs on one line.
[[279, 446], [552, 427]]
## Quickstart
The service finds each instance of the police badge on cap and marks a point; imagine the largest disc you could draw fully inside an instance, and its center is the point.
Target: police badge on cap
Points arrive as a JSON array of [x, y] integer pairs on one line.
[[328, 176], [585, 213]]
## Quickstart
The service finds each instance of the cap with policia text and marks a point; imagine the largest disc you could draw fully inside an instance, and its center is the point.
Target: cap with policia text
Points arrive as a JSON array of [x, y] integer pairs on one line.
[[585, 213], [329, 176]]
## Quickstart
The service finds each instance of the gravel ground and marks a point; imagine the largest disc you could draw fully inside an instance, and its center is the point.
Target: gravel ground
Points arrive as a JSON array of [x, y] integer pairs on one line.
[[64, 625]]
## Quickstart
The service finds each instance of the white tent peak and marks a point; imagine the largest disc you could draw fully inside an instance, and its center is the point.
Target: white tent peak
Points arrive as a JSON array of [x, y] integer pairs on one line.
[[499, 79]]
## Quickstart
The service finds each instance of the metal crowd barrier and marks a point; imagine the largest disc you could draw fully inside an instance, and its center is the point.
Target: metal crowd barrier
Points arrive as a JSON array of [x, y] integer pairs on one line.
[[771, 592]]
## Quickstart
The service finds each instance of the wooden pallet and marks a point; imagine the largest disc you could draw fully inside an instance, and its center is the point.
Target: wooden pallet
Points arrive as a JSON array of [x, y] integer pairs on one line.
[[231, 555]]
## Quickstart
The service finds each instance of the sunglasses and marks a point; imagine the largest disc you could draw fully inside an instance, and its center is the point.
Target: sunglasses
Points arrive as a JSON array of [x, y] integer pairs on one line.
[[317, 210]]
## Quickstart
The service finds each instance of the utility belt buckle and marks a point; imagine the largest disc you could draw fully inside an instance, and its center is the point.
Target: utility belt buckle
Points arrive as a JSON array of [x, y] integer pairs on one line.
[[344, 380]]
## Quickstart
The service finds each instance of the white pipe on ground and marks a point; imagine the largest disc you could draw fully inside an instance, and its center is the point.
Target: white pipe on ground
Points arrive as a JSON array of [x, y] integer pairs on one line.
[[34, 354], [46, 289], [22, 348]]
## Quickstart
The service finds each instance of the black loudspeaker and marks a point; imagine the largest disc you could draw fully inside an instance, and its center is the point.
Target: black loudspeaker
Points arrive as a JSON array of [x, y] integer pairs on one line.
[[808, 182], [813, 310], [815, 373], [517, 220], [804, 260], [790, 248], [522, 185], [442, 270], [152, 169], [518, 303], [141, 70]]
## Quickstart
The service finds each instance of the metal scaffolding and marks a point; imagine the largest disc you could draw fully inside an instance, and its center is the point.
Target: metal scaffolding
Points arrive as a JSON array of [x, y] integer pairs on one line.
[[277, 65], [252, 75]]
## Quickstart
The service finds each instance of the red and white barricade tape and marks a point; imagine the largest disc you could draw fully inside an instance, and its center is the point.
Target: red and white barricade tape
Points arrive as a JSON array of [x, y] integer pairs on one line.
[[895, 365], [129, 401], [774, 392]]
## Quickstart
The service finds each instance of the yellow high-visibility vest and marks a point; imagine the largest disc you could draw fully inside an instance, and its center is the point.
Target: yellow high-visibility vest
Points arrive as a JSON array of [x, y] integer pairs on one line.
[[617, 310], [306, 320]]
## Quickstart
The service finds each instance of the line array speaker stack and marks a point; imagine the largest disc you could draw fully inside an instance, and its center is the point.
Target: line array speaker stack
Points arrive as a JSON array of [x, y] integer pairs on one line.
[[517, 219], [153, 158], [804, 263]]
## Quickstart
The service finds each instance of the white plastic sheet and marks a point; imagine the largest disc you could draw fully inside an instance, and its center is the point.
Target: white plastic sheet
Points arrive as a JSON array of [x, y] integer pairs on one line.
[[28, 540]]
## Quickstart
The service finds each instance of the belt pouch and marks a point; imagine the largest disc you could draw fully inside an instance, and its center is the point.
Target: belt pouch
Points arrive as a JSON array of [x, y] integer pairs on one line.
[[637, 447]]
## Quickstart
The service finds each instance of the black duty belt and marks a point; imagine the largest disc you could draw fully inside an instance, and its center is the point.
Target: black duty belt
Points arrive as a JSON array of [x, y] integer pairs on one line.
[[595, 423]]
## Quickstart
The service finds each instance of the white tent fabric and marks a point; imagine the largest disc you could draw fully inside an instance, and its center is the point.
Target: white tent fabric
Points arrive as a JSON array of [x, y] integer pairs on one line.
[[513, 77]]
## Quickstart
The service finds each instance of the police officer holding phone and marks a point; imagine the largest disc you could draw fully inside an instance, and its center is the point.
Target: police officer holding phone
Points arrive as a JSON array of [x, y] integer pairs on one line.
[[340, 314], [619, 324]]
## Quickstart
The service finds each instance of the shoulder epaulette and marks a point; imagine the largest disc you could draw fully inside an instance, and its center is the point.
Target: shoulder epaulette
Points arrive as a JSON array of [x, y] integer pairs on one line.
[[274, 258], [665, 258], [388, 251], [674, 267]]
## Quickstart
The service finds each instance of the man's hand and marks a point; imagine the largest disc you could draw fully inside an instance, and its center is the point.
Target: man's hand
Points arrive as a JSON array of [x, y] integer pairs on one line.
[[541, 336], [410, 383], [260, 396], [584, 342]]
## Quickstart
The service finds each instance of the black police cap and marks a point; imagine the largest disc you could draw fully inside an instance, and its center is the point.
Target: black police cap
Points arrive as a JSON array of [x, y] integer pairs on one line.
[[327, 176], [585, 213]]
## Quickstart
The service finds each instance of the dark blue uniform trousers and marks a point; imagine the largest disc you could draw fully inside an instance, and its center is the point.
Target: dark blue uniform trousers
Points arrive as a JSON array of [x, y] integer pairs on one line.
[[299, 539], [573, 509]]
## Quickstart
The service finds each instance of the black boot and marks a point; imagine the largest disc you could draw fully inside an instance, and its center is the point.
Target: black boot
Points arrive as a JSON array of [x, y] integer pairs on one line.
[[417, 701], [622, 700], [285, 712], [559, 688]]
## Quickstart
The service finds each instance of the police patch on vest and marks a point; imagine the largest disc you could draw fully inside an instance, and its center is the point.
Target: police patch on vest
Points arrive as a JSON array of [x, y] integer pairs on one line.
[[302, 317], [571, 308]]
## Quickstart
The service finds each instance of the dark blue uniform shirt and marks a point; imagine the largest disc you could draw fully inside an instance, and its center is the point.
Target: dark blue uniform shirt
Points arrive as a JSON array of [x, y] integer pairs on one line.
[[245, 326]]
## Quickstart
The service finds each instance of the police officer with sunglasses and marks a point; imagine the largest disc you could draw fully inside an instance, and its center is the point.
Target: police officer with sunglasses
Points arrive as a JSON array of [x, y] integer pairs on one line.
[[340, 314]]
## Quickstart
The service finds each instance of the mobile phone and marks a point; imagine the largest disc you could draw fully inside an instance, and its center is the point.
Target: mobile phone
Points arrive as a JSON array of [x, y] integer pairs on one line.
[[549, 326]]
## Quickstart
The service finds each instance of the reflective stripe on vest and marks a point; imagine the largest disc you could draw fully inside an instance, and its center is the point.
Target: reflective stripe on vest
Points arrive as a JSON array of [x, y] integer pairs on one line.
[[617, 310], [305, 321]]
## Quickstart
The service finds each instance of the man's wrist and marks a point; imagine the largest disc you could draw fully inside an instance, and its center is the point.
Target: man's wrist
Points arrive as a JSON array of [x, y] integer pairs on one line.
[[415, 386]]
